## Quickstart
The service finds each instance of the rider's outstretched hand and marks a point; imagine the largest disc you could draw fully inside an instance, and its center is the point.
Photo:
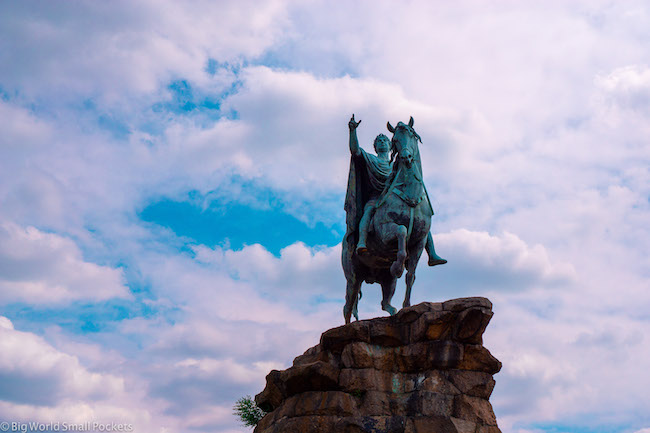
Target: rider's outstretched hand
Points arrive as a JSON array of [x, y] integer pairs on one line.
[[352, 124]]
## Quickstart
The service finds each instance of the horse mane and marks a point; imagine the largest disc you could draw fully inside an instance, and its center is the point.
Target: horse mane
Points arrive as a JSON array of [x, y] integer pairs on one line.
[[393, 151], [409, 129], [412, 131]]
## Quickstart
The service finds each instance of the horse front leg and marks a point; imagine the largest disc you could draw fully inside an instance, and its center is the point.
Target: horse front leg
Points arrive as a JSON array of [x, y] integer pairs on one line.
[[410, 279], [388, 233], [411, 265]]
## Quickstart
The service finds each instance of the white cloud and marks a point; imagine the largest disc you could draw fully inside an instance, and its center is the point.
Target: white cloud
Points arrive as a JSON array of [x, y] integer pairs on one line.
[[6, 323], [479, 261], [569, 363], [534, 126], [128, 50], [41, 383], [552, 343], [22, 131], [34, 372], [269, 142], [39, 267], [236, 371], [628, 86]]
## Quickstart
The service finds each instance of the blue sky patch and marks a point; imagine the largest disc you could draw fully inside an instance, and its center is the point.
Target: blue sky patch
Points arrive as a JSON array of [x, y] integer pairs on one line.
[[579, 428], [236, 225], [186, 100], [213, 65], [80, 317]]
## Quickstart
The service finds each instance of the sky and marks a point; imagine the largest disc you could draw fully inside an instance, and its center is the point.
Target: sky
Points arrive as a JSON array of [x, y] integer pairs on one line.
[[172, 178]]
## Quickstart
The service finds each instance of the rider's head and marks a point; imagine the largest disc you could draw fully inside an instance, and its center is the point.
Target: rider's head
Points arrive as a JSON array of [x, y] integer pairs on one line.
[[382, 143]]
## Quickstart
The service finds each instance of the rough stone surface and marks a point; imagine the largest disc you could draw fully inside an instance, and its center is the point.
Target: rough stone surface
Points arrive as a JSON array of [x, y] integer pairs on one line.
[[423, 370]]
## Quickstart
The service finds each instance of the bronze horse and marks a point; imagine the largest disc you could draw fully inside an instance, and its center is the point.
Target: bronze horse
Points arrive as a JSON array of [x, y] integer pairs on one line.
[[399, 228]]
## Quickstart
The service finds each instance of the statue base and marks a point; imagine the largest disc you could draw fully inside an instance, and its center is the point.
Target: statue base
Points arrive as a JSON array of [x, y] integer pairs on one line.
[[423, 370]]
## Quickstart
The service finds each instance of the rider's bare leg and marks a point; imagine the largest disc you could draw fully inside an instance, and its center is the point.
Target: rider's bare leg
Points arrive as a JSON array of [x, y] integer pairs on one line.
[[364, 226], [434, 259]]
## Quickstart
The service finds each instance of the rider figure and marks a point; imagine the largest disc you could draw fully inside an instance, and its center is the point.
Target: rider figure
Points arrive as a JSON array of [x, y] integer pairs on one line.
[[378, 170]]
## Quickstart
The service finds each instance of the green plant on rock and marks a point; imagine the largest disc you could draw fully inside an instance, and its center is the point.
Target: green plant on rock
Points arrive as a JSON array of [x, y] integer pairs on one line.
[[248, 412]]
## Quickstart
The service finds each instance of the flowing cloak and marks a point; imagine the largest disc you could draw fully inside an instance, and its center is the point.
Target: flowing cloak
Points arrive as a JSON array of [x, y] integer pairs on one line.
[[366, 180]]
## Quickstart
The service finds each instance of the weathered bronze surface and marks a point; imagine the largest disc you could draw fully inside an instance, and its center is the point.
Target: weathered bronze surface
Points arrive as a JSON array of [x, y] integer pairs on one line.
[[388, 216]]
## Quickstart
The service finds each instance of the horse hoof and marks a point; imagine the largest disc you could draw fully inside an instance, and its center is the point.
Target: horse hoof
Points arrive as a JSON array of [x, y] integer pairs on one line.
[[391, 310], [406, 304], [396, 270]]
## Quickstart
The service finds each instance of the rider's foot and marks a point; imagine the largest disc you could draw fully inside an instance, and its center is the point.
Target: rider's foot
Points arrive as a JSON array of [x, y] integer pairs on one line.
[[436, 260]]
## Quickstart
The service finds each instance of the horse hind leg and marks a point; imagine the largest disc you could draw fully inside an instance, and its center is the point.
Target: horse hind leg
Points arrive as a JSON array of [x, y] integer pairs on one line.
[[351, 299]]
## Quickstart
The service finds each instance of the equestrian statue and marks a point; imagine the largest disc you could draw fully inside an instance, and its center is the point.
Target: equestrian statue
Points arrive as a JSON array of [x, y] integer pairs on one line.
[[388, 216]]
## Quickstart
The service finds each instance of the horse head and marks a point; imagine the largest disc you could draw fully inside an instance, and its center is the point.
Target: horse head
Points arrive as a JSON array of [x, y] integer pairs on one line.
[[405, 142]]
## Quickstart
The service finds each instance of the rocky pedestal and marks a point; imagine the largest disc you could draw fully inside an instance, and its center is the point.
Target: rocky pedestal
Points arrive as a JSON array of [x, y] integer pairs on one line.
[[424, 370]]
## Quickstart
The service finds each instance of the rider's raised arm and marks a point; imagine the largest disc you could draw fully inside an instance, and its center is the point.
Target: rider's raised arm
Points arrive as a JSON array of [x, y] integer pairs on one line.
[[354, 142]]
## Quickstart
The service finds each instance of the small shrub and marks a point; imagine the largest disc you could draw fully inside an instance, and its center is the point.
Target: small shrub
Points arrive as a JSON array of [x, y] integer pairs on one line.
[[248, 412]]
